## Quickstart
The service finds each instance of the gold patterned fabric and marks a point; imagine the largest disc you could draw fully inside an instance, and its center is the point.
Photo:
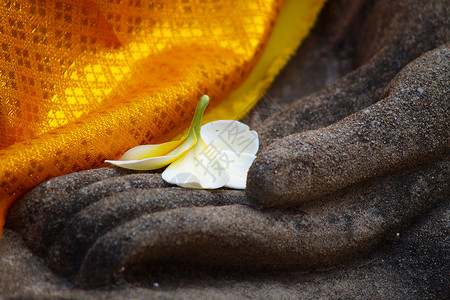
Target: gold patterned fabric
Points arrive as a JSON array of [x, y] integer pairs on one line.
[[83, 81]]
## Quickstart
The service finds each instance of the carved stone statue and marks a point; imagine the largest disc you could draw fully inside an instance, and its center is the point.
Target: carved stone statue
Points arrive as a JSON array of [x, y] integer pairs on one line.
[[352, 175]]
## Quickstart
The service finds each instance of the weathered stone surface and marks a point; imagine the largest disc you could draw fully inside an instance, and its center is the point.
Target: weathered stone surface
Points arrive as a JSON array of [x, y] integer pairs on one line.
[[82, 231], [322, 234], [153, 240], [409, 125], [359, 54], [414, 265], [53, 203]]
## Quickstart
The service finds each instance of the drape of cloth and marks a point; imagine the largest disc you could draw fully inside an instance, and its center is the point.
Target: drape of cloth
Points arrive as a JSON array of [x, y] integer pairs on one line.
[[84, 81]]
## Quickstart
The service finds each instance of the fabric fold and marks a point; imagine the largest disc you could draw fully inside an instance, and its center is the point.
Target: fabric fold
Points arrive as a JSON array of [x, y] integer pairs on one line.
[[83, 81]]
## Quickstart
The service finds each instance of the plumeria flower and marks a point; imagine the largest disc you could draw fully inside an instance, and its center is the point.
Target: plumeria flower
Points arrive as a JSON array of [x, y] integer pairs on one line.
[[211, 156]]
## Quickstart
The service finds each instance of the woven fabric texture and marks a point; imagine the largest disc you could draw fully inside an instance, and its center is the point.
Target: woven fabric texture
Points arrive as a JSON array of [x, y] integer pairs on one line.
[[83, 81]]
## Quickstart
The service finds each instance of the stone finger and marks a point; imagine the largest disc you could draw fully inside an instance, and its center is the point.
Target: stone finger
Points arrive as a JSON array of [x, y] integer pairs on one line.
[[80, 233], [409, 125], [24, 212], [379, 51], [50, 217], [317, 234]]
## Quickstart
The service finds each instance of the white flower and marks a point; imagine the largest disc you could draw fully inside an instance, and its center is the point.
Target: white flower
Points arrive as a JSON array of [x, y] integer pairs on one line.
[[212, 156]]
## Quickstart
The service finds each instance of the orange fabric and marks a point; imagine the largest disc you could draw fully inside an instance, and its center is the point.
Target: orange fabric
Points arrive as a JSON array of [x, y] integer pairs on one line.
[[84, 81]]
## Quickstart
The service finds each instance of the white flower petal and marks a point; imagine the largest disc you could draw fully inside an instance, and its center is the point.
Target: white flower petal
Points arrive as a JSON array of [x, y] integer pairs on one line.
[[133, 158], [237, 181], [151, 163], [230, 136], [237, 168], [146, 151], [195, 169]]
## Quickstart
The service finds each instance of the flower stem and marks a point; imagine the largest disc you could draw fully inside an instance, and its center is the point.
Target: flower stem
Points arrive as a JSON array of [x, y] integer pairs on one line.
[[196, 123]]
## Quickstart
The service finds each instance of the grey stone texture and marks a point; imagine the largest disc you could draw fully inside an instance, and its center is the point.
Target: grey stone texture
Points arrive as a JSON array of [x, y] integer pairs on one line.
[[409, 125], [348, 197]]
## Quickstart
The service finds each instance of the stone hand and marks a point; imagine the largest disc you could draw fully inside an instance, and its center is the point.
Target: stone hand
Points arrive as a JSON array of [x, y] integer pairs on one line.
[[340, 171], [407, 127], [366, 123], [96, 224]]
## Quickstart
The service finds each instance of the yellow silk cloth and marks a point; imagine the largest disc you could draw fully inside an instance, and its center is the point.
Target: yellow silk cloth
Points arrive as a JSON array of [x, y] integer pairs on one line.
[[84, 81]]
